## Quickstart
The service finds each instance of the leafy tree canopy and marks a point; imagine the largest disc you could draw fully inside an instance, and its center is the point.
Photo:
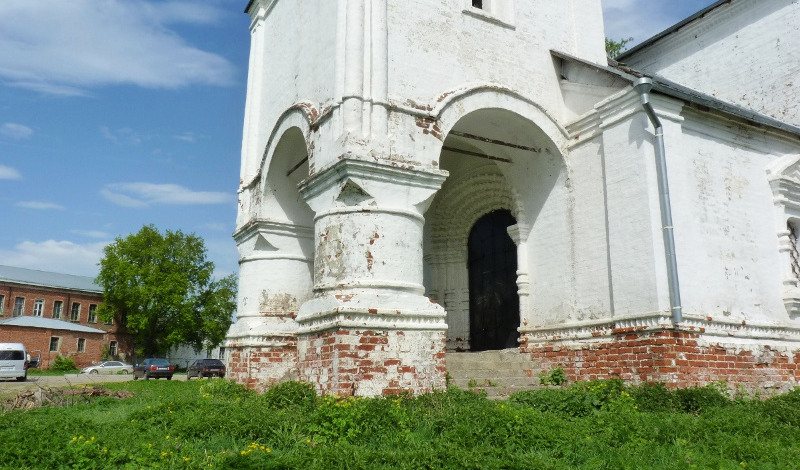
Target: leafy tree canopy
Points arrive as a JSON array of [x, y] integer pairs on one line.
[[159, 288], [615, 48]]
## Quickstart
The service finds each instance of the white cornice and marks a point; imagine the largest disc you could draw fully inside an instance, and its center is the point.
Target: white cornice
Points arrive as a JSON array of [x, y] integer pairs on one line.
[[658, 321], [360, 167], [274, 227]]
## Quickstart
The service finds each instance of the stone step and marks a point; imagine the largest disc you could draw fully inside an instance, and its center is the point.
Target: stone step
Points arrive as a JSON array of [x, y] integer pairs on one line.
[[524, 384], [497, 373]]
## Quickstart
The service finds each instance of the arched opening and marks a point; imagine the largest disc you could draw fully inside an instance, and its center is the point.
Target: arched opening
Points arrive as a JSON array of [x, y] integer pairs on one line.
[[287, 167], [502, 188], [493, 298]]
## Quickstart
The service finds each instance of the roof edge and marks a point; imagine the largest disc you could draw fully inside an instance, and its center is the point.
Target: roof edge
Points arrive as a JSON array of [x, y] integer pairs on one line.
[[675, 90], [674, 28]]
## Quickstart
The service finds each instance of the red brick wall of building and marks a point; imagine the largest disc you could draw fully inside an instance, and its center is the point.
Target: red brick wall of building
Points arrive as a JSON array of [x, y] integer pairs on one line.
[[676, 358], [39, 338]]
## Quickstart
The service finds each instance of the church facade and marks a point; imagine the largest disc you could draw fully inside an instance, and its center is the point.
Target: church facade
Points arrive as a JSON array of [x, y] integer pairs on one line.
[[420, 178]]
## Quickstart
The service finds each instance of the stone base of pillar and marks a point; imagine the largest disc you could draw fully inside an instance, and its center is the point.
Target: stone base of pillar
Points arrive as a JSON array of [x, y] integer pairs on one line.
[[367, 344], [373, 362], [261, 365]]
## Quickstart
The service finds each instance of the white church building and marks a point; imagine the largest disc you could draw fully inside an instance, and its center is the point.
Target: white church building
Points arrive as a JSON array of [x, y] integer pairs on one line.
[[420, 178]]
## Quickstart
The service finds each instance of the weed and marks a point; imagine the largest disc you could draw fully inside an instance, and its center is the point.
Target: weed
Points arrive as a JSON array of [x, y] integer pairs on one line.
[[299, 394], [556, 377]]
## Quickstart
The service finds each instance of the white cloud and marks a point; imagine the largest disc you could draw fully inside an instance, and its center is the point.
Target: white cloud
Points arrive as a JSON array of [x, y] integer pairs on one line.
[[39, 205], [56, 256], [63, 48], [8, 173], [15, 131], [147, 194]]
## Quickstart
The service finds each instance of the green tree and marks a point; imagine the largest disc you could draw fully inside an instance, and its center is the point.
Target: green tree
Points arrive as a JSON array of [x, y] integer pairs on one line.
[[159, 287], [615, 48]]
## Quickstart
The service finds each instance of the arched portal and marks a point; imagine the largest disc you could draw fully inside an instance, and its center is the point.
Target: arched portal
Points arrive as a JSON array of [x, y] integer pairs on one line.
[[493, 299], [503, 187]]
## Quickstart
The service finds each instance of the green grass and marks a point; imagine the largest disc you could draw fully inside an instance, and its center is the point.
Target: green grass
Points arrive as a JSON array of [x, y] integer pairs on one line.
[[51, 372], [595, 425]]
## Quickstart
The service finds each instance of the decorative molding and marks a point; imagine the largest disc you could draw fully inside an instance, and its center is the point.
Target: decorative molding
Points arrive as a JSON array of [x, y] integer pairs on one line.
[[257, 226], [370, 318], [354, 167], [659, 321], [446, 100], [619, 107], [259, 10], [260, 341], [410, 287], [783, 176]]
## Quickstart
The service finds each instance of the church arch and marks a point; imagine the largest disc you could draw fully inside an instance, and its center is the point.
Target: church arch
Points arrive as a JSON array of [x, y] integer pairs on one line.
[[453, 106], [288, 165], [498, 162]]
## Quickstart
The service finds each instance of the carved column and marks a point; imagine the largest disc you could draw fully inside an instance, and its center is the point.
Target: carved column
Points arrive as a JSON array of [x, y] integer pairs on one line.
[[519, 234], [369, 330]]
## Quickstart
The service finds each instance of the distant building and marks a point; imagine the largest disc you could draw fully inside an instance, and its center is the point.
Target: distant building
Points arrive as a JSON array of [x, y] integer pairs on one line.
[[57, 315]]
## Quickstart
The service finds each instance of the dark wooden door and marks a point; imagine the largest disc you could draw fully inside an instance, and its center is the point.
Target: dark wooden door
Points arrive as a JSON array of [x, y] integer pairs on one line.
[[493, 298]]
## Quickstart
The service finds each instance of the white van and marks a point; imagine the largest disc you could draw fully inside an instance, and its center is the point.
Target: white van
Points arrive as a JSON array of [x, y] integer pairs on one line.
[[13, 361]]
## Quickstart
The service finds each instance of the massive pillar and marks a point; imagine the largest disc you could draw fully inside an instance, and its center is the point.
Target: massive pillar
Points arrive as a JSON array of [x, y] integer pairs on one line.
[[369, 330]]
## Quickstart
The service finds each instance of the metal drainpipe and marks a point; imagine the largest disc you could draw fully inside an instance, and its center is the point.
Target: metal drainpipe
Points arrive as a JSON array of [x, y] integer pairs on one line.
[[643, 87]]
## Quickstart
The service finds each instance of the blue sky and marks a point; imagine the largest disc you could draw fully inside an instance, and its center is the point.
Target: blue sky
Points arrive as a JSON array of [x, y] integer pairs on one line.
[[120, 113]]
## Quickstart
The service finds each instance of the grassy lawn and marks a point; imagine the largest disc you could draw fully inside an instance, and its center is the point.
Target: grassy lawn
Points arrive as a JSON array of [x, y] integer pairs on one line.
[[216, 424]]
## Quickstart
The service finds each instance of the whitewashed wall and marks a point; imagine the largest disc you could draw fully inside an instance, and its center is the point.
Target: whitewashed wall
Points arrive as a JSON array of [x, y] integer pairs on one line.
[[746, 52]]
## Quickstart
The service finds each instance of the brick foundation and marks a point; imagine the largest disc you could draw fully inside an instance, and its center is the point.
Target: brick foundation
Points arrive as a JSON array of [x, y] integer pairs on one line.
[[259, 367], [373, 362], [676, 358]]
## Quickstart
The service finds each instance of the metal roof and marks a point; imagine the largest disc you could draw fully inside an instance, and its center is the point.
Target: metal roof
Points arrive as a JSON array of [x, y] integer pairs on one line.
[[47, 279], [670, 88], [47, 323], [648, 42]]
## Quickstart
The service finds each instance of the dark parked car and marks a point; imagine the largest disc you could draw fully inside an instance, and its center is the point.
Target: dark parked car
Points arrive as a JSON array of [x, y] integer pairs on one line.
[[206, 368], [153, 368]]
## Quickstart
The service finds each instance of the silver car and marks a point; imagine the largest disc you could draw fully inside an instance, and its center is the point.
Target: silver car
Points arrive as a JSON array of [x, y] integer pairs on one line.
[[108, 367]]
